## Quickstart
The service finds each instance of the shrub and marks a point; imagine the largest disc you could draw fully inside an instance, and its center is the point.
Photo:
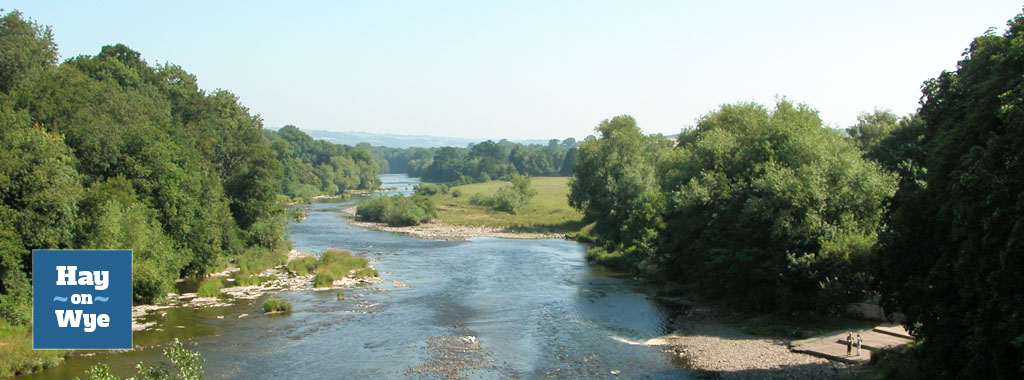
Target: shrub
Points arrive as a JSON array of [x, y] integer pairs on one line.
[[303, 265], [397, 211], [323, 280], [428, 189], [336, 256], [508, 198], [188, 365], [274, 304], [341, 295], [297, 214], [366, 273], [210, 287], [247, 280], [481, 199], [335, 264], [149, 284], [456, 193]]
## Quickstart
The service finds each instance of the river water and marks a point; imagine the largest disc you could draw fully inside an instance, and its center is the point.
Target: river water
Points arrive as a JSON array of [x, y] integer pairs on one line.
[[535, 308]]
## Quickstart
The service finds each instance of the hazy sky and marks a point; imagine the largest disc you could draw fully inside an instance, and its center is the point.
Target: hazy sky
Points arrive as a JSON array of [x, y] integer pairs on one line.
[[535, 69]]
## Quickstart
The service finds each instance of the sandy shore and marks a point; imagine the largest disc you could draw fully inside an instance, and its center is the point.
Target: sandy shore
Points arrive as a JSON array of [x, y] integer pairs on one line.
[[442, 231]]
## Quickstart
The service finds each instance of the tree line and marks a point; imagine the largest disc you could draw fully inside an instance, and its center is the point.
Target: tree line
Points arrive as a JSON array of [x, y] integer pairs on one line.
[[480, 162], [108, 151], [312, 167], [767, 209]]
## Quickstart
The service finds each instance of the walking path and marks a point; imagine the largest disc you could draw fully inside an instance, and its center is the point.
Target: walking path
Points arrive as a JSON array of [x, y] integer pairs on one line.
[[832, 346]]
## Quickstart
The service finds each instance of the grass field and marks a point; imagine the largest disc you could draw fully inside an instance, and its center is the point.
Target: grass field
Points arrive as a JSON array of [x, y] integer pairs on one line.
[[548, 211]]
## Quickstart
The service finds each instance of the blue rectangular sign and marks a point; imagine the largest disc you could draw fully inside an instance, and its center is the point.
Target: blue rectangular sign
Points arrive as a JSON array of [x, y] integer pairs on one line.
[[81, 299]]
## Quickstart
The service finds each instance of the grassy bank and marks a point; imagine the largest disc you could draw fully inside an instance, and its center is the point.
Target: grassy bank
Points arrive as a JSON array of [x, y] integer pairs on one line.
[[17, 355], [548, 210]]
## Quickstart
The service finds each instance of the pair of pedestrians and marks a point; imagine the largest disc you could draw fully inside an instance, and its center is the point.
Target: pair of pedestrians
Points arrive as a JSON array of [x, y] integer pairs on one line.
[[849, 343]]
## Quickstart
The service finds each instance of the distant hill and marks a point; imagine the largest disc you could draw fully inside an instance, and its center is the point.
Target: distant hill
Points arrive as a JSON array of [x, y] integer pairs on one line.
[[400, 141]]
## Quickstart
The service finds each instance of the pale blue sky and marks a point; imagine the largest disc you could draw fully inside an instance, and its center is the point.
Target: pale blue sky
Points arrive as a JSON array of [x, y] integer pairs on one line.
[[535, 69]]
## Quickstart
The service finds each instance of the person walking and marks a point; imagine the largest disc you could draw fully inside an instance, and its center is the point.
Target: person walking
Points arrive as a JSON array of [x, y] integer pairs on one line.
[[859, 342], [849, 343]]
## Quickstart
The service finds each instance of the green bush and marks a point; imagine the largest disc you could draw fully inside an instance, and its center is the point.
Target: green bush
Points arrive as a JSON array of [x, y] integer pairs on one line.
[[297, 214], [323, 280], [149, 283], [366, 273], [614, 259], [509, 198], [397, 211], [427, 189], [188, 365], [338, 264], [456, 193], [210, 287], [481, 199], [274, 304], [303, 265]]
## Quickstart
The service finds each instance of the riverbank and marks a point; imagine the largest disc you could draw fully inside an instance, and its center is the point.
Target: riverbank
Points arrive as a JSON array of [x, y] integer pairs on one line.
[[436, 230], [719, 351], [722, 352], [277, 279]]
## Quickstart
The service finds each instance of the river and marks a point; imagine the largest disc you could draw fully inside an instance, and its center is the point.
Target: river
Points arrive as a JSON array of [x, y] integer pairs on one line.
[[534, 309]]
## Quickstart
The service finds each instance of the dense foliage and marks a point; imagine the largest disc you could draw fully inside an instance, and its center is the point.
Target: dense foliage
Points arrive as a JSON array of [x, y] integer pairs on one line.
[[770, 208], [765, 208], [509, 198], [951, 260], [615, 186], [107, 151], [397, 211], [187, 365], [312, 167]]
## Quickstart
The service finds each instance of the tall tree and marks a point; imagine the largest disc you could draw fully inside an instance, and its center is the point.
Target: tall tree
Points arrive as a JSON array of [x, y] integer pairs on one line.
[[951, 259], [615, 186], [770, 209], [26, 49], [872, 128]]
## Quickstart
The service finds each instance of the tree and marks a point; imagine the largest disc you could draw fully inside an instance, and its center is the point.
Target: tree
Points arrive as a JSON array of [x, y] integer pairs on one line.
[[113, 216], [27, 47], [39, 184], [568, 163], [872, 128], [951, 260], [770, 209], [615, 186], [39, 190]]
